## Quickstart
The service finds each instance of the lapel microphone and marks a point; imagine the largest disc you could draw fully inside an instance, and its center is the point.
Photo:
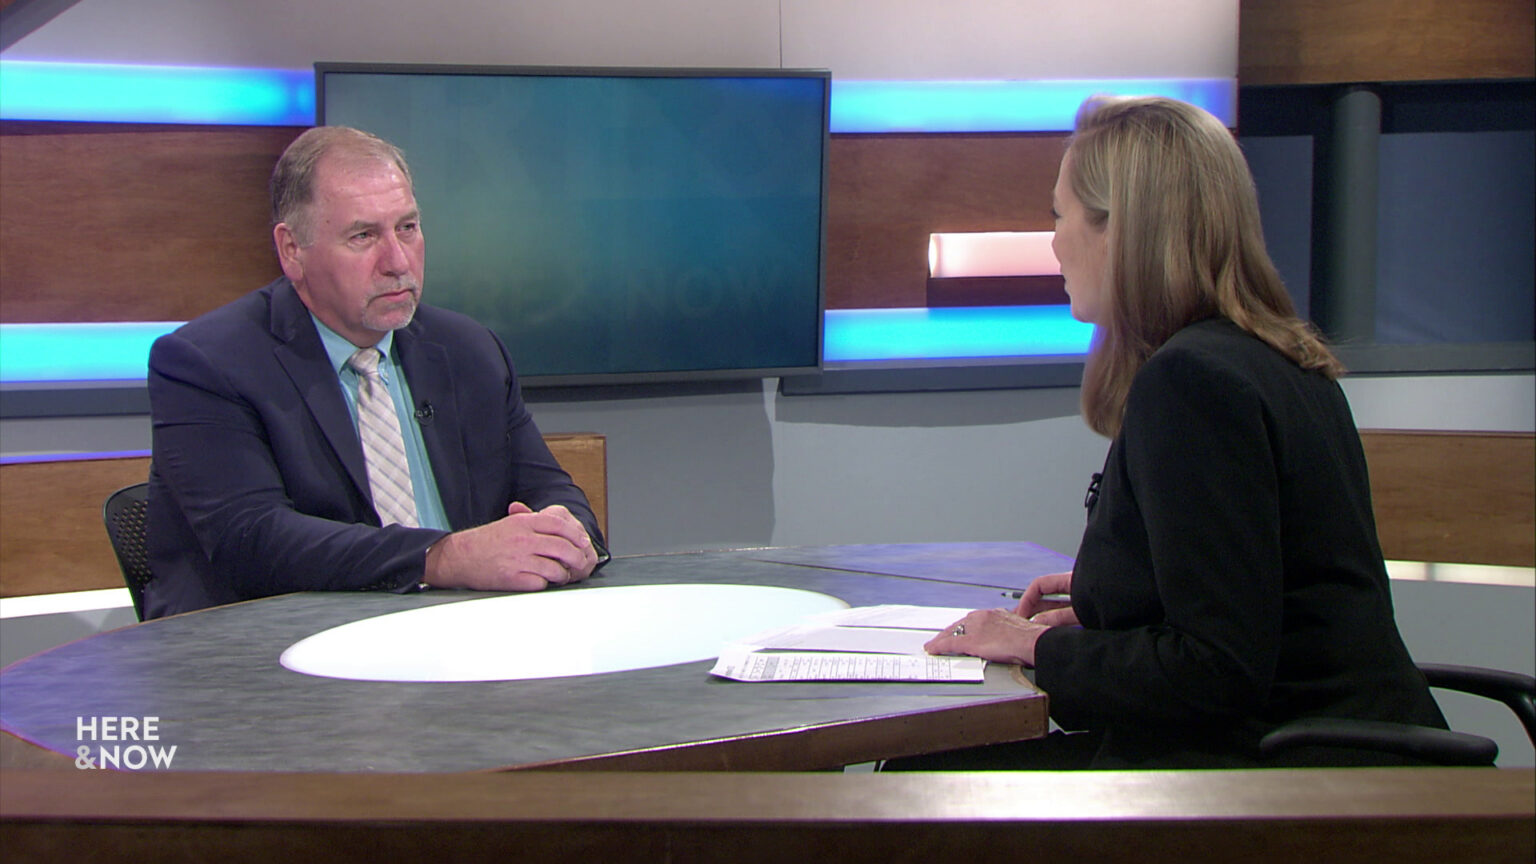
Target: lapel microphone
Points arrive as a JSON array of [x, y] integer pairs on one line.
[[424, 413]]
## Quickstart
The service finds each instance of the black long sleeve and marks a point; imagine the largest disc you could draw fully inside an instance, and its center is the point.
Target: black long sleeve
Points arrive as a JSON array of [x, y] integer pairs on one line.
[[1229, 577]]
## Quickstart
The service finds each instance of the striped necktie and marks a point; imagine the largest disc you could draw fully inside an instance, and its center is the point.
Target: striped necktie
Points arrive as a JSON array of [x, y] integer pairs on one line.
[[389, 474]]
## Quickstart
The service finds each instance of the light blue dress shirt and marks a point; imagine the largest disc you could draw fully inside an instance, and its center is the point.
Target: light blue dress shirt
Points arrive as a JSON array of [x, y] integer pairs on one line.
[[429, 504]]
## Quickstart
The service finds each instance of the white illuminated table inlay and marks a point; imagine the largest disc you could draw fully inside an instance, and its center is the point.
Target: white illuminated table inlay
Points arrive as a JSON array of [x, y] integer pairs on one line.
[[551, 635]]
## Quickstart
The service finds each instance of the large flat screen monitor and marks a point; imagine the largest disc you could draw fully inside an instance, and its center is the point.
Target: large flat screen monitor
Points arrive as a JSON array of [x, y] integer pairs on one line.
[[614, 225]]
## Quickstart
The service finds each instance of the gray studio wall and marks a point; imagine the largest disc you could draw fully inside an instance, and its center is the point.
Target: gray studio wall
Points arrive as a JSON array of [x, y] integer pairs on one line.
[[741, 465]]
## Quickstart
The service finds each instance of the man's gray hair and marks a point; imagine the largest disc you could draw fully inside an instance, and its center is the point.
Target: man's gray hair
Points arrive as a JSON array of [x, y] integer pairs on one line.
[[293, 180]]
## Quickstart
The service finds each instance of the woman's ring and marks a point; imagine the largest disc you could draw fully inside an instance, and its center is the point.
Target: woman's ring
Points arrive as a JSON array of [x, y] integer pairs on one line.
[[958, 631]]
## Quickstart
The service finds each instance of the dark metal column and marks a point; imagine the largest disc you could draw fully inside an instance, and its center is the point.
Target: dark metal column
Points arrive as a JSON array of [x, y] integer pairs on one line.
[[1344, 215]]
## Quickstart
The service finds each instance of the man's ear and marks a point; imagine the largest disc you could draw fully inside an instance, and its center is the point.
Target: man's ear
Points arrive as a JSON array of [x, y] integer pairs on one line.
[[289, 252]]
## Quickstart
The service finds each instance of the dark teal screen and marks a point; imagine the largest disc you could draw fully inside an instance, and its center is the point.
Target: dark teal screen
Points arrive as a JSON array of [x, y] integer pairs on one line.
[[611, 225]]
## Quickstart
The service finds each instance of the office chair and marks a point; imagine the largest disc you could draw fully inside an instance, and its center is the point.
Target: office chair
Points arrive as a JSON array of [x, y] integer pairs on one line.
[[1440, 746], [125, 514]]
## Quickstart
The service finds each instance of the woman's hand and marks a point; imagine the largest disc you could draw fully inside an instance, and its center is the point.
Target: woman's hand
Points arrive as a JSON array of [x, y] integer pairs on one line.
[[991, 634], [1050, 612], [1009, 637]]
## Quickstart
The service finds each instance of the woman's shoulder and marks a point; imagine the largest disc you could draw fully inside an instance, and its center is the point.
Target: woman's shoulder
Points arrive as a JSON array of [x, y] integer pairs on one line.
[[1218, 346], [1217, 358], [1215, 335], [1210, 347], [1212, 365]]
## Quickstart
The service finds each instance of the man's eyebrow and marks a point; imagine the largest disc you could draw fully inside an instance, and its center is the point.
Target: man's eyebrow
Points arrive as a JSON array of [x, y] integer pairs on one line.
[[365, 225]]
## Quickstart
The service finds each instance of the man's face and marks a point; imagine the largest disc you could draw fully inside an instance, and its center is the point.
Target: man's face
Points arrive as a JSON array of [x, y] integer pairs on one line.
[[360, 268]]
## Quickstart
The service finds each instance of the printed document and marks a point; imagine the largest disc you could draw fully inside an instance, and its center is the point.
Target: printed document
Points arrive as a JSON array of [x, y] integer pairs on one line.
[[740, 663], [867, 643]]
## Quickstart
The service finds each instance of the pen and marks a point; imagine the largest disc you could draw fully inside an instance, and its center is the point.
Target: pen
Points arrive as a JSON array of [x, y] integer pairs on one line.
[[1059, 598]]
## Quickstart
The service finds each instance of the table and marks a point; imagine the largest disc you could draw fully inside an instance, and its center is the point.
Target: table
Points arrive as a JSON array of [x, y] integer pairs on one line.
[[223, 701]]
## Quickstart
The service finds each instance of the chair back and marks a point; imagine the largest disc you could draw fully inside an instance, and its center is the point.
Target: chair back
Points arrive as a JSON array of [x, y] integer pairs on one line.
[[1438, 746], [1515, 689], [125, 514]]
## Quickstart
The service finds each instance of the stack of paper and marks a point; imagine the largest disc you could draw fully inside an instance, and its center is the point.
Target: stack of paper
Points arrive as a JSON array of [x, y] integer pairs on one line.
[[866, 643]]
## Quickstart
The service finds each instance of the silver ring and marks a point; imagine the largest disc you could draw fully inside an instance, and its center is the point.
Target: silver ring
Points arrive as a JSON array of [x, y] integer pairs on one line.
[[958, 631]]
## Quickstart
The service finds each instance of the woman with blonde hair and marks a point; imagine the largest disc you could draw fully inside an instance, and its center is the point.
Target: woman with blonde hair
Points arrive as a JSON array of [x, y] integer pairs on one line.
[[1229, 578]]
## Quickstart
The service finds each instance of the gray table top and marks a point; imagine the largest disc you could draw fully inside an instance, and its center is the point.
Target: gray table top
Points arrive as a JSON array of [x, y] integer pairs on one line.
[[1010, 566], [213, 678]]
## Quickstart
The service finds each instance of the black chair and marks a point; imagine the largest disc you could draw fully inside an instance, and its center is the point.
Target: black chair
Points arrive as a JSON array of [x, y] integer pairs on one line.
[[125, 514], [1439, 746]]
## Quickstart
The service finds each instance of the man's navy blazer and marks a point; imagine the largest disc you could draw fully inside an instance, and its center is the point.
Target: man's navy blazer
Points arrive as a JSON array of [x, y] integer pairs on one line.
[[258, 486]]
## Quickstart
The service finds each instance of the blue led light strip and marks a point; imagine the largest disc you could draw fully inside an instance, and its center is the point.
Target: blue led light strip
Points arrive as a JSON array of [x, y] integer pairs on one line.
[[953, 333], [78, 352], [39, 353], [110, 93], [81, 456], [1004, 106], [104, 92]]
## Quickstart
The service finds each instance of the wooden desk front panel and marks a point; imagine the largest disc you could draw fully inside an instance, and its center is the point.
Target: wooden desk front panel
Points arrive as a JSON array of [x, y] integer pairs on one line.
[[1435, 815]]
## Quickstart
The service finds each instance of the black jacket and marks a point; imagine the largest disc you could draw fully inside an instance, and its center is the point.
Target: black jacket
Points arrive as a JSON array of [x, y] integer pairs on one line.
[[1229, 578]]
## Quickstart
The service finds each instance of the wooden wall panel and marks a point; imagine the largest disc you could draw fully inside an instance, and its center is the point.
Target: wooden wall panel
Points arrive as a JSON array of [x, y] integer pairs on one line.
[[106, 222], [887, 193], [163, 223], [1454, 497], [53, 538], [584, 456], [1335, 41]]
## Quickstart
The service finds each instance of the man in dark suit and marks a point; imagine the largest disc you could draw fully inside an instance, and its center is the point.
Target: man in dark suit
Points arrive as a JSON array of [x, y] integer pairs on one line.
[[260, 484]]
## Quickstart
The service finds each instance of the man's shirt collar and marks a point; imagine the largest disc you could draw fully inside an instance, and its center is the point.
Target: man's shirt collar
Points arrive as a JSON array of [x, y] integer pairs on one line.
[[340, 349]]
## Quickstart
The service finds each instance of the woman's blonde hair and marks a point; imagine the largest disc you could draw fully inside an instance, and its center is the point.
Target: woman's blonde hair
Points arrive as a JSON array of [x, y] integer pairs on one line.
[[1168, 183]]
